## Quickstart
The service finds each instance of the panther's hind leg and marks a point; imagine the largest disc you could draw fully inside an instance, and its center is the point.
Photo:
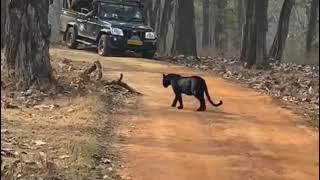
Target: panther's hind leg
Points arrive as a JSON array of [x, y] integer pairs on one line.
[[202, 101]]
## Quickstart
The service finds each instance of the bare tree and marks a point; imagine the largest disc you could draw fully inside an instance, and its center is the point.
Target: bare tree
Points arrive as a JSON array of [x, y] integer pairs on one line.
[[159, 16], [312, 24], [219, 35], [175, 28], [279, 42], [27, 44], [254, 38], [185, 34], [247, 30], [261, 32], [155, 14], [241, 17], [205, 31], [147, 10], [3, 21], [164, 25]]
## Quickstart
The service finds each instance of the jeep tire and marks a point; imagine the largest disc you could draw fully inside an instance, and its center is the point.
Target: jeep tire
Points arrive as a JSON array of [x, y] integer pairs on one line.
[[71, 38], [103, 49], [148, 54]]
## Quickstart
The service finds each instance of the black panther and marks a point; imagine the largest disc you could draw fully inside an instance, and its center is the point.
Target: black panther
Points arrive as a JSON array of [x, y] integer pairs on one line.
[[191, 86]]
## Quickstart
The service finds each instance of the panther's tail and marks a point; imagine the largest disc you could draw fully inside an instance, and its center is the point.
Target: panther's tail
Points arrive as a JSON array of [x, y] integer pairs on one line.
[[208, 96]]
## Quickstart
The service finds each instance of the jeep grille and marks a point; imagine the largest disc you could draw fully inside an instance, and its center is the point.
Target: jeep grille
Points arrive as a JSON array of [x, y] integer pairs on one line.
[[128, 33]]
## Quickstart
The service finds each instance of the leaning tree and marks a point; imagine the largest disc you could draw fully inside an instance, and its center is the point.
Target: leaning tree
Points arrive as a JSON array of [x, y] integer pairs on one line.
[[279, 42], [27, 41]]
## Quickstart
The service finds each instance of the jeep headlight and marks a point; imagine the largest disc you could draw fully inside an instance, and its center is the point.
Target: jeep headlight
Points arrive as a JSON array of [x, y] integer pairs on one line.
[[150, 35], [117, 31]]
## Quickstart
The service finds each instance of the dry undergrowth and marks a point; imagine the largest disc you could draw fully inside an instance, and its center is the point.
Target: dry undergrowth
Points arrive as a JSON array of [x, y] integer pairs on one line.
[[63, 133]]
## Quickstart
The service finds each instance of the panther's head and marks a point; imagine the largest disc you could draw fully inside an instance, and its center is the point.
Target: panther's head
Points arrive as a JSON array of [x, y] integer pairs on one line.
[[166, 81]]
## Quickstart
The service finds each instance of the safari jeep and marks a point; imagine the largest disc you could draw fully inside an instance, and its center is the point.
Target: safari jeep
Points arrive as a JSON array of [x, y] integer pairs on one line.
[[108, 25]]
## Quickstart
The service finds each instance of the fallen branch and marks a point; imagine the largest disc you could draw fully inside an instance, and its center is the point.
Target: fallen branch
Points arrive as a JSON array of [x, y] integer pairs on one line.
[[95, 67], [122, 84], [85, 76]]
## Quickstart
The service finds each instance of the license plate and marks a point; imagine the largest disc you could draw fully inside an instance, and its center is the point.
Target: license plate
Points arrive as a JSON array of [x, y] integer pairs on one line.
[[135, 42]]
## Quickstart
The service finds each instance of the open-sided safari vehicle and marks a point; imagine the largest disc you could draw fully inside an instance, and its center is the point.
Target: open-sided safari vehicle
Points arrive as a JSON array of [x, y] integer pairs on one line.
[[109, 25]]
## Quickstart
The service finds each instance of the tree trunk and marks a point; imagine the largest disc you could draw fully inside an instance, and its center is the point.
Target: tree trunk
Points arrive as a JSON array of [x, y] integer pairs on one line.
[[27, 44], [205, 31], [247, 30], [175, 28], [185, 35], [164, 26], [159, 16], [3, 21], [254, 37], [261, 30], [241, 18], [155, 14], [147, 11], [312, 24], [219, 40], [279, 42], [213, 20]]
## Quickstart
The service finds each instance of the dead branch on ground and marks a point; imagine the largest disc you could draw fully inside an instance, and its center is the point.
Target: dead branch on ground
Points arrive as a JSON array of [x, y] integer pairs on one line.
[[85, 76], [122, 84], [95, 67]]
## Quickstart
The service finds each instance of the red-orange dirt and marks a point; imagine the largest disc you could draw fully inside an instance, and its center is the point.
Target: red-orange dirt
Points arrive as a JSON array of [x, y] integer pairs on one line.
[[248, 138]]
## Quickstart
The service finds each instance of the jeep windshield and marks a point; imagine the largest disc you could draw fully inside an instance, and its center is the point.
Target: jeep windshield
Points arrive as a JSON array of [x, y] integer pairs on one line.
[[120, 12]]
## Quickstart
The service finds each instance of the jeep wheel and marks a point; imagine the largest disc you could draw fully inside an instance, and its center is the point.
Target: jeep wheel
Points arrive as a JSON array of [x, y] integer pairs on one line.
[[148, 54], [103, 49], [71, 38]]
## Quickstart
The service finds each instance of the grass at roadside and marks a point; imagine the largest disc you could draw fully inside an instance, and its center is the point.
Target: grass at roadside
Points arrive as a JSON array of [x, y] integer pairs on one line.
[[67, 135]]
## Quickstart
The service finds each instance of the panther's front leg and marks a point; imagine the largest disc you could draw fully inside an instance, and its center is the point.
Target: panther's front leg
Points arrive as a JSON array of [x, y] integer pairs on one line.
[[174, 103], [179, 97]]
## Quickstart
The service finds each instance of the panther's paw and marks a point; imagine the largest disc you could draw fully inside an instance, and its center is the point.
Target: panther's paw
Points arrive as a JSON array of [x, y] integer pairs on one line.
[[180, 107]]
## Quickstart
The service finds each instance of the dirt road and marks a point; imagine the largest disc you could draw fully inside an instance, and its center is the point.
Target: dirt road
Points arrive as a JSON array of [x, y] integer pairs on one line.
[[249, 137]]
